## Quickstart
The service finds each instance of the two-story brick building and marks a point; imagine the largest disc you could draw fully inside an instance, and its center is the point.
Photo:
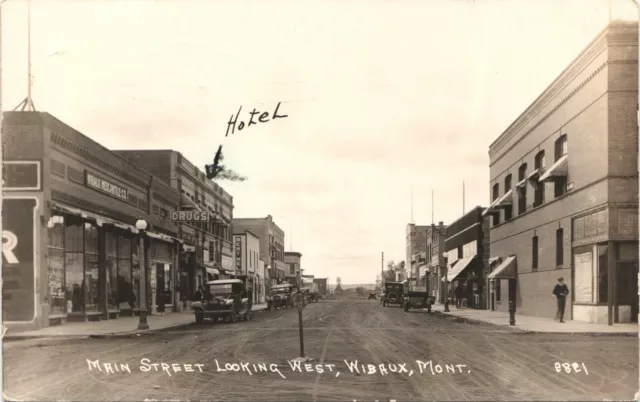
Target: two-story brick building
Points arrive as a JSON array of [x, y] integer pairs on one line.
[[293, 261], [213, 256], [69, 209], [247, 256], [467, 251], [564, 185], [271, 245]]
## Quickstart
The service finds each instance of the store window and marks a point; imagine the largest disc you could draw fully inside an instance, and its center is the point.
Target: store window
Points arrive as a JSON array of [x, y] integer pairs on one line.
[[497, 289], [74, 265], [112, 270], [55, 265], [91, 267], [128, 274]]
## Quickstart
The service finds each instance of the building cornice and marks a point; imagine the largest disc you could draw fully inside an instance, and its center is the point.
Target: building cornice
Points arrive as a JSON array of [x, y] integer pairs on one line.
[[610, 36]]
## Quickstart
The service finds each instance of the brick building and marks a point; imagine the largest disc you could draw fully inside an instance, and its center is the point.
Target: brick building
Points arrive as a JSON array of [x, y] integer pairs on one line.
[[247, 266], [213, 257], [416, 241], [69, 209], [467, 250], [435, 263], [271, 245], [564, 185]]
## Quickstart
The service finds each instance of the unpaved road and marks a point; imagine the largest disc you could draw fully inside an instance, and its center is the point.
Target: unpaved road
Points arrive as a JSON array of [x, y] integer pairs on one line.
[[498, 365]]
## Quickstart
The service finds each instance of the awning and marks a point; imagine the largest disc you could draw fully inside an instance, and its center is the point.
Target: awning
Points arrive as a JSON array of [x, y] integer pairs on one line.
[[188, 248], [457, 269], [97, 218], [534, 175], [493, 260], [506, 200], [161, 236], [186, 202], [558, 169], [212, 271], [493, 204], [521, 184], [506, 270]]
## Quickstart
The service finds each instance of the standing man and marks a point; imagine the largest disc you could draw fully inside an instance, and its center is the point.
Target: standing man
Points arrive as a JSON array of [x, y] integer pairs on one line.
[[250, 297], [459, 292], [561, 291]]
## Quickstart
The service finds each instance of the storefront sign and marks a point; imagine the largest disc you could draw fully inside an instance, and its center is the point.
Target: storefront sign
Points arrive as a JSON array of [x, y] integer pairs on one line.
[[21, 175], [19, 258], [227, 263], [104, 186], [189, 216], [238, 253]]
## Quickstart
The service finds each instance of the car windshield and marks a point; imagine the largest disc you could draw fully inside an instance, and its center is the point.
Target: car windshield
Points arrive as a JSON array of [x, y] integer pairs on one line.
[[281, 290], [395, 287], [222, 289]]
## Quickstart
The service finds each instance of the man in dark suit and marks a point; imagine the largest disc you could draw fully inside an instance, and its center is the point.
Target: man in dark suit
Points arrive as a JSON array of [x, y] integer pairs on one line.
[[561, 291]]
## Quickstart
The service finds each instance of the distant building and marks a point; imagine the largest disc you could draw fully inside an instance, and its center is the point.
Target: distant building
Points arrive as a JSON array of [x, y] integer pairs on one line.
[[271, 244], [432, 268], [564, 189], [416, 247], [322, 285], [292, 259]]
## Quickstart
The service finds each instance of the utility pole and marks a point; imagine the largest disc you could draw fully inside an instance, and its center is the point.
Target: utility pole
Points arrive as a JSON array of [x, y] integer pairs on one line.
[[300, 302], [463, 197], [432, 222], [382, 271], [27, 103]]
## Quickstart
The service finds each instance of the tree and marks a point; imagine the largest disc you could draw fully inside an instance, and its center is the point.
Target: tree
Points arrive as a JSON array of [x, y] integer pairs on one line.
[[218, 171], [338, 284]]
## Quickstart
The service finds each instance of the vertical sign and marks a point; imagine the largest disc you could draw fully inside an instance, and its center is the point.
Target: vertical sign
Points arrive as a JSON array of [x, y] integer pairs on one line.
[[239, 253], [18, 259]]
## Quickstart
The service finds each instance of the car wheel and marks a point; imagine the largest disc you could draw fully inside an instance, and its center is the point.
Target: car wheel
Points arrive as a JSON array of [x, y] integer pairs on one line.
[[199, 318]]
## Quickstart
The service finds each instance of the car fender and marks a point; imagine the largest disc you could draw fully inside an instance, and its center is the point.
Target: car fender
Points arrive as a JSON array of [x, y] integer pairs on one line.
[[196, 305]]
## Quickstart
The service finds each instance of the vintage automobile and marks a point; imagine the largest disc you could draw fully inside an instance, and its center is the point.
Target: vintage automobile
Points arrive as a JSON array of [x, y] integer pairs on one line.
[[420, 300], [281, 296], [311, 292], [223, 299], [393, 293]]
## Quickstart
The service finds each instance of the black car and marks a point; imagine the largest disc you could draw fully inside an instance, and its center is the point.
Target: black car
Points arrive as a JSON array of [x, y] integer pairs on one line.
[[223, 299], [393, 293], [418, 300]]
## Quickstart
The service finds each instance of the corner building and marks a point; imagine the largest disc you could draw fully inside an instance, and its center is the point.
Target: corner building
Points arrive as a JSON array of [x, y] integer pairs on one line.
[[69, 213], [564, 186]]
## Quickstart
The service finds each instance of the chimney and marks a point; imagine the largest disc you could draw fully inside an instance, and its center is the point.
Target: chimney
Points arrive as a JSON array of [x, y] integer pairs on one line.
[[441, 224]]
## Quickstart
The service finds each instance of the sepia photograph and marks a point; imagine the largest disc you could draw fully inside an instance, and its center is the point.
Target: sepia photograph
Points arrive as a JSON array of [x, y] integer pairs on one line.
[[316, 200]]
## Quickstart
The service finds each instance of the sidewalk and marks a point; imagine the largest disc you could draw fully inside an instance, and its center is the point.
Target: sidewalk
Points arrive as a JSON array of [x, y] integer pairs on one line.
[[117, 327], [526, 323]]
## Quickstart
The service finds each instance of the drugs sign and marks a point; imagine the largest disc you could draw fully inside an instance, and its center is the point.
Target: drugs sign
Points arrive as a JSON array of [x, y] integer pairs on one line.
[[18, 259], [189, 216]]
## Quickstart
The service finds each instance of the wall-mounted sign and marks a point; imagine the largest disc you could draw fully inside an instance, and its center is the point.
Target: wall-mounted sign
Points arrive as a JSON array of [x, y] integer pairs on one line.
[[102, 185], [227, 263], [238, 253], [18, 258], [21, 175], [189, 216]]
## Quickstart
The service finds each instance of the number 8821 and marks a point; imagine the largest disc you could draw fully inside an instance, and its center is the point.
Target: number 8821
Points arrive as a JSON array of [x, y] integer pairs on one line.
[[570, 368]]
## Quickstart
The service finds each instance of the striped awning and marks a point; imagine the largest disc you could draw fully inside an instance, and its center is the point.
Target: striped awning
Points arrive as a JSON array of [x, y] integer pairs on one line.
[[91, 216], [558, 169], [506, 270], [505, 201]]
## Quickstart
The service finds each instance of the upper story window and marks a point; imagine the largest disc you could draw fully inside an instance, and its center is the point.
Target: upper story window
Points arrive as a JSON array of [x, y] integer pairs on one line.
[[561, 147], [507, 183], [522, 172], [496, 192], [541, 162]]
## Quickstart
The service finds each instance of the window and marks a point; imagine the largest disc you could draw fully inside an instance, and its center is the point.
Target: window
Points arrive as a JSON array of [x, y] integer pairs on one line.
[[560, 183], [534, 253], [603, 272], [55, 264], [91, 267], [522, 191], [538, 195], [496, 192], [508, 209], [211, 251], [561, 147], [497, 289], [559, 247]]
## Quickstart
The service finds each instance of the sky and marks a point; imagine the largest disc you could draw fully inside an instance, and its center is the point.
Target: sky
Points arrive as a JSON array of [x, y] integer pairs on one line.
[[381, 97]]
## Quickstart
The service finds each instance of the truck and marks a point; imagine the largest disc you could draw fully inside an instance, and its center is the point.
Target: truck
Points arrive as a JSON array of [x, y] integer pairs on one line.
[[311, 290]]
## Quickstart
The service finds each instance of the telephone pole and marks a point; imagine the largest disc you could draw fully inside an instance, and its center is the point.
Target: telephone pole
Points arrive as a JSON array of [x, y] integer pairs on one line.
[[382, 271]]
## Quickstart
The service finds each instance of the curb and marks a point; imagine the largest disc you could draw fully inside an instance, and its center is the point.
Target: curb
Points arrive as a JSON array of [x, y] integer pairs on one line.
[[112, 335], [521, 331]]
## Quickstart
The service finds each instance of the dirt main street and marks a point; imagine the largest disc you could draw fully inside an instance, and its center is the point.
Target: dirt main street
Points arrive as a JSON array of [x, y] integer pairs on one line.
[[406, 356]]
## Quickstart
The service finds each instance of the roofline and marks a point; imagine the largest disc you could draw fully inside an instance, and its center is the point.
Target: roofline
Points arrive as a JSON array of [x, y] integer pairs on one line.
[[292, 253], [565, 73], [466, 214]]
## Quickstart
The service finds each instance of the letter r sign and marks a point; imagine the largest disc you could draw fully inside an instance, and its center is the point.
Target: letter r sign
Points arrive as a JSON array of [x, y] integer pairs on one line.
[[18, 258]]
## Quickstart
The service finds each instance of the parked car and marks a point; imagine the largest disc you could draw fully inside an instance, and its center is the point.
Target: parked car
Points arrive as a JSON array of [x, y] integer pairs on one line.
[[418, 300], [393, 293], [281, 296], [223, 299]]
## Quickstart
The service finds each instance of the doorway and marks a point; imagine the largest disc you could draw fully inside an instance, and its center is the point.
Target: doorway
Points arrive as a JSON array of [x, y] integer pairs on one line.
[[627, 278]]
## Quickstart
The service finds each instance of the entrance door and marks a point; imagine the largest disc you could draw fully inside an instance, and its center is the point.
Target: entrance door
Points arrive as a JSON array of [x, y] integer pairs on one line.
[[627, 276], [159, 296]]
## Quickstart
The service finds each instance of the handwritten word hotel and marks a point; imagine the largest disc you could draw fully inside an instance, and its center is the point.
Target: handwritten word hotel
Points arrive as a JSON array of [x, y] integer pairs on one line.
[[353, 367]]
